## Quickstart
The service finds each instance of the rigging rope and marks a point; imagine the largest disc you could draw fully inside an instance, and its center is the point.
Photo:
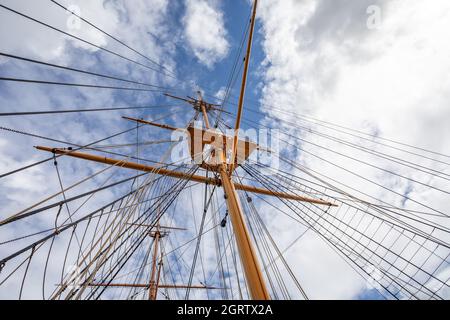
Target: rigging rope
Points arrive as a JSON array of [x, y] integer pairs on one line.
[[114, 38], [77, 38]]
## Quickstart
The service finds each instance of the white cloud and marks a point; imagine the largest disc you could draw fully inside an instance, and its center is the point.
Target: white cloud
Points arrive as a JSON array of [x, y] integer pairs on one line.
[[220, 94], [205, 31], [323, 61]]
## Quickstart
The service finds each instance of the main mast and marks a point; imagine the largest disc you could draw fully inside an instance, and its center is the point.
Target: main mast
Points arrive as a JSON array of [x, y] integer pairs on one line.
[[252, 269]]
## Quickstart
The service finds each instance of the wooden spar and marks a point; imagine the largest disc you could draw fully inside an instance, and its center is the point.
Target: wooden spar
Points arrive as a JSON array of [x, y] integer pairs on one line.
[[252, 269], [243, 86], [160, 227], [181, 175], [163, 126], [178, 98]]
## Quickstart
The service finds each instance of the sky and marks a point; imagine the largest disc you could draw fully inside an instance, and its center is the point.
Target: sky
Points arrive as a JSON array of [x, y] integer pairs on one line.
[[378, 66]]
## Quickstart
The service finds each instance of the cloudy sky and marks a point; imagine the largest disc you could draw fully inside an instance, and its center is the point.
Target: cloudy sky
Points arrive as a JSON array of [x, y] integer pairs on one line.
[[378, 66]]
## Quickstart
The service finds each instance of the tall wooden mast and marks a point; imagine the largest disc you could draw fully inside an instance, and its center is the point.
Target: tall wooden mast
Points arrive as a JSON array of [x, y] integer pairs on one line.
[[153, 288], [252, 269], [250, 263]]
